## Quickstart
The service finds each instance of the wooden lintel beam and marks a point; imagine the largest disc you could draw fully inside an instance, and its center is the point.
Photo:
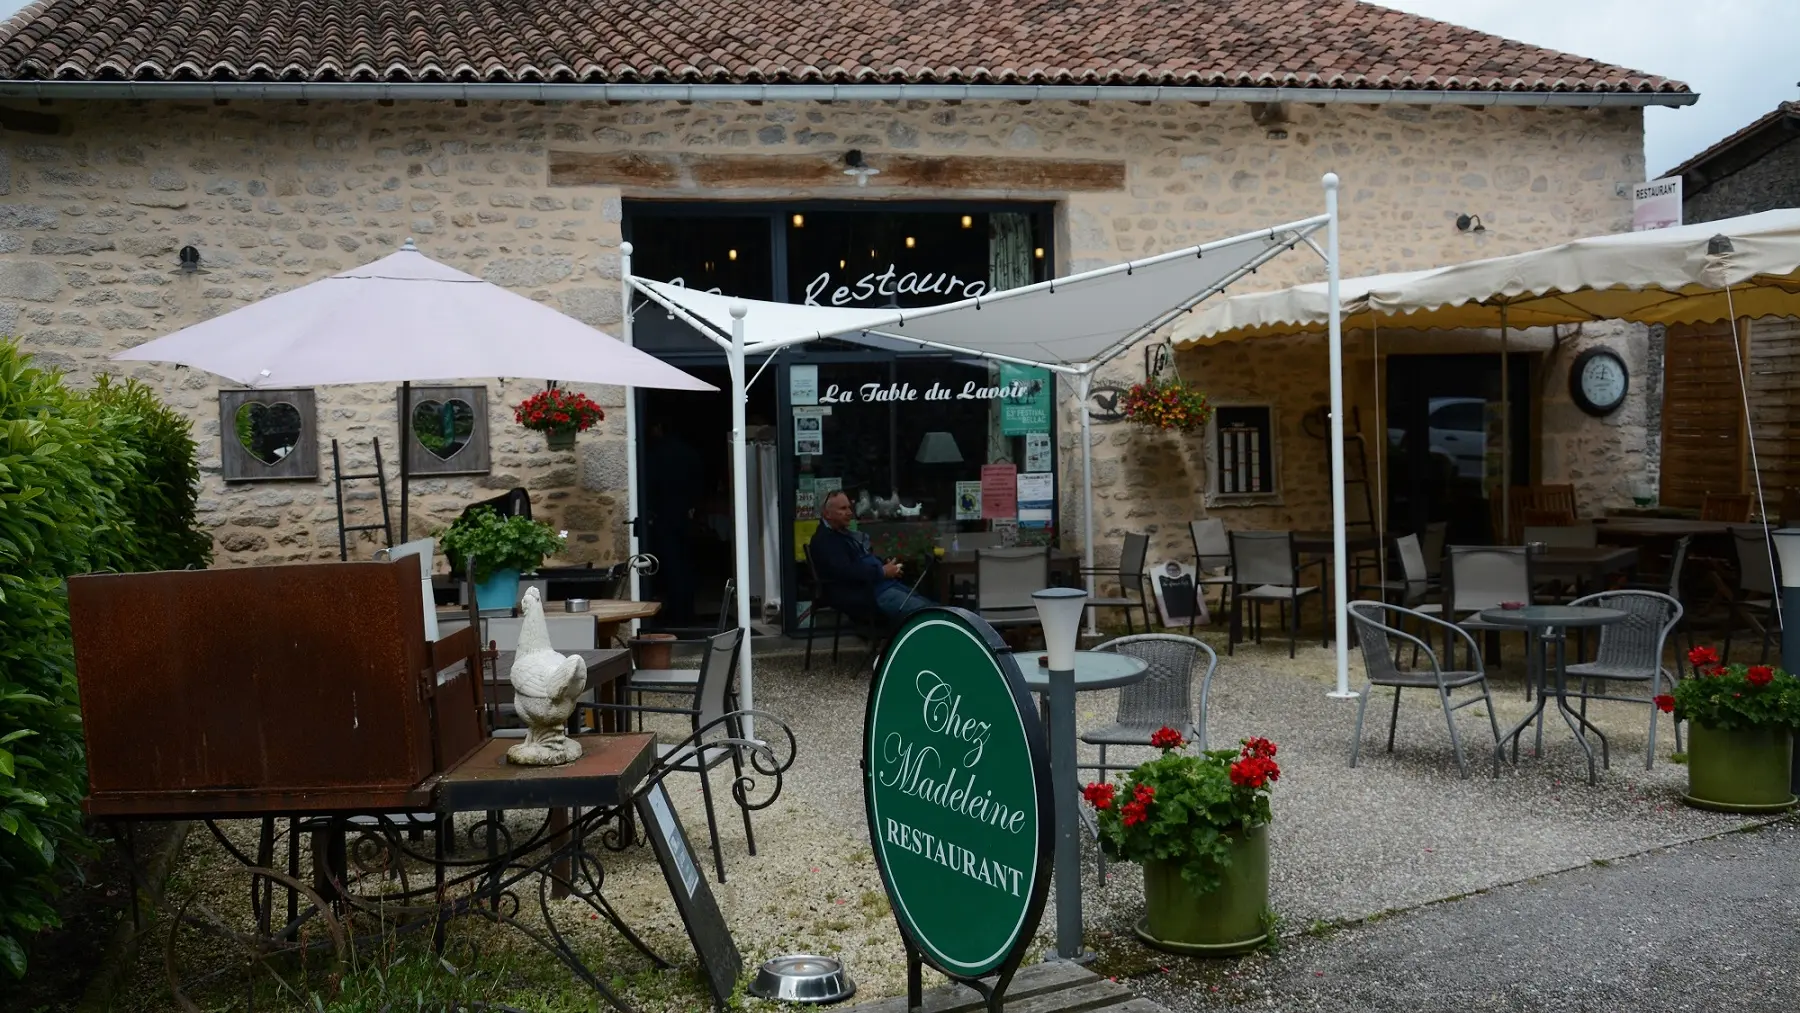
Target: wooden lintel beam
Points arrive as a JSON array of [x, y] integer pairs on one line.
[[26, 122], [657, 170]]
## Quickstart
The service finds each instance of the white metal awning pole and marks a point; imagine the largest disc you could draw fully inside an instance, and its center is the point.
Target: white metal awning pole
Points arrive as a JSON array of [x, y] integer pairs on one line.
[[1340, 583], [1084, 387], [631, 461], [740, 503]]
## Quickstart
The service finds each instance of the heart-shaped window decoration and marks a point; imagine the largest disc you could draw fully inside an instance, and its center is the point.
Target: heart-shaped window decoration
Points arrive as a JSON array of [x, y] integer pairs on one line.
[[443, 427], [269, 432]]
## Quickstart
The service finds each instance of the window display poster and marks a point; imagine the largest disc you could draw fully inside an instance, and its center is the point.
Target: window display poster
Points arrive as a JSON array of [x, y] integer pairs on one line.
[[806, 502], [1036, 500], [968, 501], [809, 431], [1037, 451], [803, 385], [999, 491], [1029, 413]]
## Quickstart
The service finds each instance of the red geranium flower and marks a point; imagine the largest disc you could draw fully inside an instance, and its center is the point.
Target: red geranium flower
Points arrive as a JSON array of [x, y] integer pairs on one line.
[[1167, 738], [1760, 675], [1700, 656], [1099, 794], [1665, 703], [1254, 771], [1716, 670], [1134, 813], [1259, 747], [1144, 793]]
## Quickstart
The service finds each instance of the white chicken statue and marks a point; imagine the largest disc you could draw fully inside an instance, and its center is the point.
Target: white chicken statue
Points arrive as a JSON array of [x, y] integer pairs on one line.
[[545, 685]]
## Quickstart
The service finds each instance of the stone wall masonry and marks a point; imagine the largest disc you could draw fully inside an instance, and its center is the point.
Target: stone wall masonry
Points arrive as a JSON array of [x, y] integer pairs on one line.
[[277, 195]]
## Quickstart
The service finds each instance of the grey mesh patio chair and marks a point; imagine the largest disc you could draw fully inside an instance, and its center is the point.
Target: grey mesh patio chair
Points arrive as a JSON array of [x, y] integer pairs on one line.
[[1004, 580], [1631, 651], [1431, 543], [1165, 697], [1212, 551], [1132, 581], [1413, 585], [1754, 602], [1482, 577], [1380, 644], [1265, 568]]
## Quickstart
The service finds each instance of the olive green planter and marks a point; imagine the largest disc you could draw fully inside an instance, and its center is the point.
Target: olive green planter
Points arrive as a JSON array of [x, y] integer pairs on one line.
[[1217, 923], [1744, 771], [560, 440]]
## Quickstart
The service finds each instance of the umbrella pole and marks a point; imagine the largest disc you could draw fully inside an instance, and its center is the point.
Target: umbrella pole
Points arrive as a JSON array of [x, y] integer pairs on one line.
[[1505, 437], [1085, 387], [1340, 582], [632, 544], [405, 440], [740, 503]]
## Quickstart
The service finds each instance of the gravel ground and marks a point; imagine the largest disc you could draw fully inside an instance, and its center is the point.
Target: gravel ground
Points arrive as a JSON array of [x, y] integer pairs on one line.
[[1399, 831], [1700, 926]]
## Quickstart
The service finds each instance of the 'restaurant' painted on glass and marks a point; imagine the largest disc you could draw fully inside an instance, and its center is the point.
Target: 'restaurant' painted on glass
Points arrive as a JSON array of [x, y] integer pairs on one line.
[[953, 805]]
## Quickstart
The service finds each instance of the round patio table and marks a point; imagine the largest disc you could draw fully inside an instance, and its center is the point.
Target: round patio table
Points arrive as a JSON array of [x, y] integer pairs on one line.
[[1550, 622], [1093, 670]]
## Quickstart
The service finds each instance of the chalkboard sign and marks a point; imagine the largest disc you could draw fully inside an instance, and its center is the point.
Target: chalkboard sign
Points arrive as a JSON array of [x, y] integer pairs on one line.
[[720, 961], [1176, 597]]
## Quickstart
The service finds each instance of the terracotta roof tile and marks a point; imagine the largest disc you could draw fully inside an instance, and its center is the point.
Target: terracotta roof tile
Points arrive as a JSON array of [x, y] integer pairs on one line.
[[1219, 43]]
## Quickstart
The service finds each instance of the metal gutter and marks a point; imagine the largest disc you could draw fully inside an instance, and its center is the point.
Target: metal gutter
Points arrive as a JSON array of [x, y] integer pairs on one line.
[[488, 92]]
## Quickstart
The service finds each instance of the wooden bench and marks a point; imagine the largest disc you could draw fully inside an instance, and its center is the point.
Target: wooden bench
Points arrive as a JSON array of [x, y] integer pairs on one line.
[[1052, 987]]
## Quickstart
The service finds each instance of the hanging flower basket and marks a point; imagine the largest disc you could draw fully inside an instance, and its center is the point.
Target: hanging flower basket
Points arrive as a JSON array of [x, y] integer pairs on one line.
[[1166, 404], [559, 415]]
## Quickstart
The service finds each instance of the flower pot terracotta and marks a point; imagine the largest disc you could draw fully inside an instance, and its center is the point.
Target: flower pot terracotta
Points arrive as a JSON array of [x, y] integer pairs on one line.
[[1743, 771], [560, 440], [654, 651], [1217, 923]]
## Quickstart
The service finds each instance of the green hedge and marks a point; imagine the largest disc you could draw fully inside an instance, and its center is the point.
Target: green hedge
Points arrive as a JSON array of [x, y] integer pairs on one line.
[[102, 479]]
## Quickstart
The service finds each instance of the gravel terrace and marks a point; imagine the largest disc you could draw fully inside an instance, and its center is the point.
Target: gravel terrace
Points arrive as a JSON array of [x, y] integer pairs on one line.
[[1399, 831]]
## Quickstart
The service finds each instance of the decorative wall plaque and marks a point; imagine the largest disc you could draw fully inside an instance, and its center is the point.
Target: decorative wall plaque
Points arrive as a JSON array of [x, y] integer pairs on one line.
[[449, 431], [268, 435]]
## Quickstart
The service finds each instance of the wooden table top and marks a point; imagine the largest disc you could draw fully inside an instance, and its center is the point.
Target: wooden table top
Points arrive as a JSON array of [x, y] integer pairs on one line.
[[966, 557], [1321, 541], [1600, 560], [1664, 527], [609, 769]]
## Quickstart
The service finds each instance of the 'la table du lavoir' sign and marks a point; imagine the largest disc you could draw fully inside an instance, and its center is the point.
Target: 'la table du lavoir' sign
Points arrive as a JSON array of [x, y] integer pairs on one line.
[[956, 780]]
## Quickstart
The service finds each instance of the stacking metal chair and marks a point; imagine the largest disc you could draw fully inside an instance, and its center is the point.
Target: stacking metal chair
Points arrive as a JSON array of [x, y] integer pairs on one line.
[[1132, 581], [1431, 544], [1164, 698], [1632, 651], [1755, 599], [1380, 643], [678, 681], [1414, 585], [713, 698], [871, 629], [1483, 577], [1004, 581], [1212, 550], [1265, 568]]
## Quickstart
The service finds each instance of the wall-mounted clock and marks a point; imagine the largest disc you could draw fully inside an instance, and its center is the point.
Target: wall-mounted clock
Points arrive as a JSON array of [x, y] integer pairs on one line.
[[1598, 381]]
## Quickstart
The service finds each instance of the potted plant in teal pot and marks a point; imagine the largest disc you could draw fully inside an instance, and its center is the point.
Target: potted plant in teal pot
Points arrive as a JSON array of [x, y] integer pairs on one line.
[[1741, 725], [503, 548], [1199, 825]]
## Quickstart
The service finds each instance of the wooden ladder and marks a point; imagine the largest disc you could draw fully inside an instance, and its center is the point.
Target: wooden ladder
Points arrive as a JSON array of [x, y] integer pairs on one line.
[[338, 478]]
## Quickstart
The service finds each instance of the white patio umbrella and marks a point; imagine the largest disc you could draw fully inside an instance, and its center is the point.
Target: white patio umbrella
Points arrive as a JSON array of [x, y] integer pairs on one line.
[[403, 318]]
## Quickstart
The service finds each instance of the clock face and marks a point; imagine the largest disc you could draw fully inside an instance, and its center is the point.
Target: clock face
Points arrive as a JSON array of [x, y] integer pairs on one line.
[[1601, 380]]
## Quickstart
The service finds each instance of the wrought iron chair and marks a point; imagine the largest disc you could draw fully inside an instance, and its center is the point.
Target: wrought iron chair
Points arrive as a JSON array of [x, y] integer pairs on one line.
[[1632, 651], [1212, 550], [1380, 642], [710, 713], [1131, 577], [1164, 698], [1264, 568]]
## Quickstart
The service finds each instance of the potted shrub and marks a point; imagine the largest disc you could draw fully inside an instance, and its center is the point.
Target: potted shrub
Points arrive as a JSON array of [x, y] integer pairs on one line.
[[1166, 404], [503, 548], [1741, 725], [558, 414], [1199, 825]]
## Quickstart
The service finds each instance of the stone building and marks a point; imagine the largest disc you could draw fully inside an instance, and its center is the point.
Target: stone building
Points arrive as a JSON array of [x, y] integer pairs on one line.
[[1755, 169], [527, 153]]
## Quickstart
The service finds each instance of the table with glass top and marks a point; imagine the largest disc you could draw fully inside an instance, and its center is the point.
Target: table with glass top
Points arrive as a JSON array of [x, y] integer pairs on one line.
[[1548, 623]]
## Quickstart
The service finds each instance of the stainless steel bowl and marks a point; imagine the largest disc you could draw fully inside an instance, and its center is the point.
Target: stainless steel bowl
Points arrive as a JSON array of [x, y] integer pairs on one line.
[[575, 605], [803, 977]]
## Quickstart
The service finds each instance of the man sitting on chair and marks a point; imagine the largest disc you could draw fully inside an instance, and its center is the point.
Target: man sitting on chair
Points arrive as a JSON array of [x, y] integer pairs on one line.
[[859, 583]]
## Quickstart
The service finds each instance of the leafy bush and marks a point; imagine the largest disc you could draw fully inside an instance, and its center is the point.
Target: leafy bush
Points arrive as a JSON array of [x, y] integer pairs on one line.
[[79, 492], [498, 543]]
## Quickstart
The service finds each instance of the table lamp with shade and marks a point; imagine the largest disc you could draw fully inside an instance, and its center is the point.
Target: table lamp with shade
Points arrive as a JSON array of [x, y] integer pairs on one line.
[[1787, 554], [1059, 611], [938, 448]]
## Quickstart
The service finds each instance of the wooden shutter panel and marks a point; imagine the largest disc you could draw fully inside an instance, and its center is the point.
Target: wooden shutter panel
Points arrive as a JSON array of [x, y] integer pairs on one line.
[[1775, 403], [1702, 418]]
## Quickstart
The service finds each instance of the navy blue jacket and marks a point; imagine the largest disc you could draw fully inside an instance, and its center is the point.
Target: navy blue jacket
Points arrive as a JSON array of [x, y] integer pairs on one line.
[[852, 575]]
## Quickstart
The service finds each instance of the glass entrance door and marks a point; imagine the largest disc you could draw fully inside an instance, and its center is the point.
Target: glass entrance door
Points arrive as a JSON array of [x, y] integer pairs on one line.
[[1444, 441]]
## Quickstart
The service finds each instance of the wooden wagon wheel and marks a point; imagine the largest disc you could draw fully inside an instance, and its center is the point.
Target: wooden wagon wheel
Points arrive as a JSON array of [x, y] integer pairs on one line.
[[232, 949]]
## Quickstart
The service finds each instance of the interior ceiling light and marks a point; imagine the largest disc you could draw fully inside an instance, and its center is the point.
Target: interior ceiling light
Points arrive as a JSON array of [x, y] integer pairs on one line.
[[909, 242], [1038, 253], [799, 221], [968, 221], [731, 254]]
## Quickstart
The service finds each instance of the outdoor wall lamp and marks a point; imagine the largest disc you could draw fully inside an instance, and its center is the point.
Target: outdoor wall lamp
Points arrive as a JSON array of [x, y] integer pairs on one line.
[[1469, 223], [190, 261], [853, 160]]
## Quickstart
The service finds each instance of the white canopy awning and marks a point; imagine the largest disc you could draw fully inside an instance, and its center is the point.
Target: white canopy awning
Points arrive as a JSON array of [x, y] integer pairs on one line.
[[1070, 324]]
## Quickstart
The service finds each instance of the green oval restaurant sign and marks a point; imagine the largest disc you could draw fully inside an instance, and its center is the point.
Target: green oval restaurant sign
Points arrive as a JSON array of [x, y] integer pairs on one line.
[[956, 780]]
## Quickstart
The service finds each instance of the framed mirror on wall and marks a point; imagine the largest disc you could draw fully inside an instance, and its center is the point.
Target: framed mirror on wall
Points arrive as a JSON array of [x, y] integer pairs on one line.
[[268, 435], [449, 431]]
